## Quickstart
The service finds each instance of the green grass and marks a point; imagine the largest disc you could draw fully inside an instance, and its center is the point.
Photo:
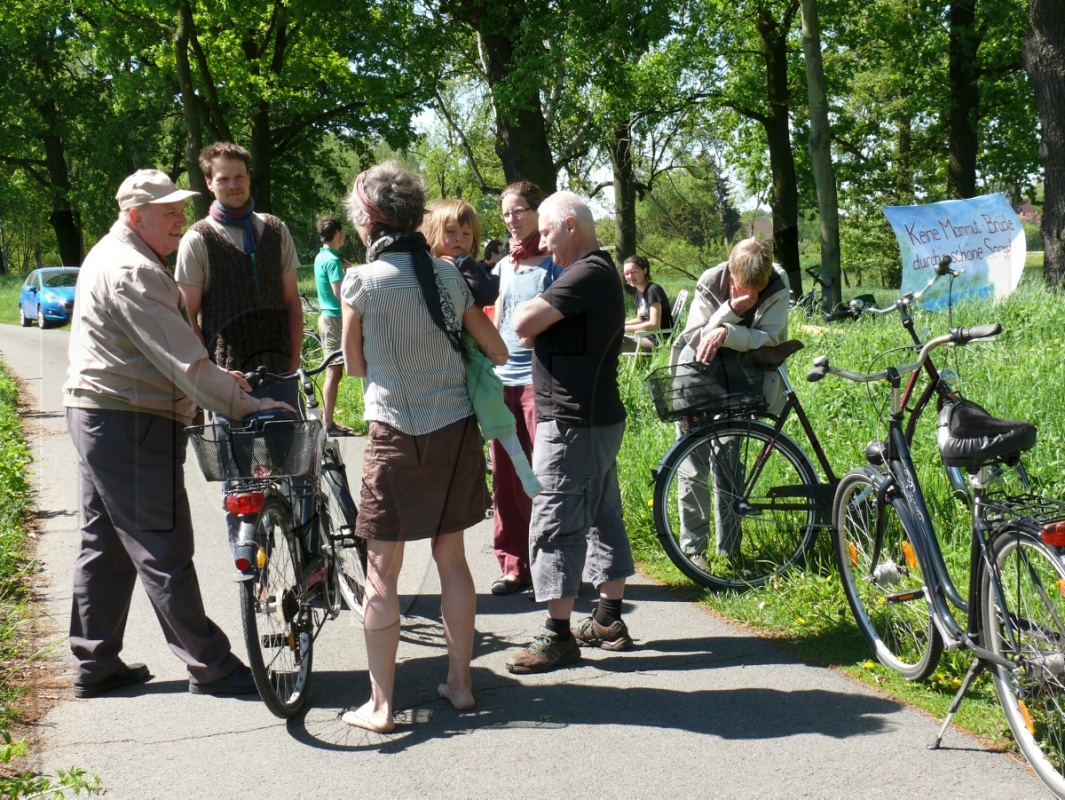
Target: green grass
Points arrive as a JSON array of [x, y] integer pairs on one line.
[[10, 285], [16, 645], [806, 611]]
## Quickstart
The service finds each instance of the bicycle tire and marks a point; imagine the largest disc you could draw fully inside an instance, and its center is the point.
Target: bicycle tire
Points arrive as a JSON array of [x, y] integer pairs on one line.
[[280, 646], [311, 352], [349, 551], [1032, 579], [888, 598], [771, 540]]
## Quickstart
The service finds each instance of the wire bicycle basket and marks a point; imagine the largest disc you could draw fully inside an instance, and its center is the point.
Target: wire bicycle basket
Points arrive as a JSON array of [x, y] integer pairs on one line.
[[724, 385], [282, 449]]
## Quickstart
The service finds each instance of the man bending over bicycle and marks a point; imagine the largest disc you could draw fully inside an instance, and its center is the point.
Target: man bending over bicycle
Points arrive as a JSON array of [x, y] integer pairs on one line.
[[739, 305]]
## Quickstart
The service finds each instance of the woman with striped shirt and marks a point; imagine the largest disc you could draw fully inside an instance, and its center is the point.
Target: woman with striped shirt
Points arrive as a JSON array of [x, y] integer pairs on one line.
[[423, 474]]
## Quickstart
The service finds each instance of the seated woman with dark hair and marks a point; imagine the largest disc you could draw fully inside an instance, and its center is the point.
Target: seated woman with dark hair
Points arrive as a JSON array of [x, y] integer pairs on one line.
[[652, 306], [424, 469]]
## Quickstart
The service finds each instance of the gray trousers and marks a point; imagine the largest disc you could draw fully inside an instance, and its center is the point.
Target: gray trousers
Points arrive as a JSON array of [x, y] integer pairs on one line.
[[717, 460], [577, 524], [136, 523]]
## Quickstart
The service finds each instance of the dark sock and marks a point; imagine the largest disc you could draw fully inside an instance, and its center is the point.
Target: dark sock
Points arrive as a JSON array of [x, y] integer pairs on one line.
[[558, 627], [608, 612]]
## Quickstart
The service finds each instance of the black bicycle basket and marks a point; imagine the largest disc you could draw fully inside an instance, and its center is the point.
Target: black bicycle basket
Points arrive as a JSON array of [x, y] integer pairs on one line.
[[274, 450], [726, 384]]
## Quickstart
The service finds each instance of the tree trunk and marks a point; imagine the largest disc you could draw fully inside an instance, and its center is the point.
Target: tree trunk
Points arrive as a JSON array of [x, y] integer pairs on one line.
[[261, 167], [821, 155], [62, 217], [1043, 55], [785, 198], [965, 98], [521, 132], [190, 110], [624, 193]]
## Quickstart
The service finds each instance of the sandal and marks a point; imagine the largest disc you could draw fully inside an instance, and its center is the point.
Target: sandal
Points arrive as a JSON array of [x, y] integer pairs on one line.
[[509, 584], [336, 430]]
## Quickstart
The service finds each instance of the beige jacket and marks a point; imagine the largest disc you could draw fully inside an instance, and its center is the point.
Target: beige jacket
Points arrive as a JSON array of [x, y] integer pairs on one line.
[[710, 309], [131, 344]]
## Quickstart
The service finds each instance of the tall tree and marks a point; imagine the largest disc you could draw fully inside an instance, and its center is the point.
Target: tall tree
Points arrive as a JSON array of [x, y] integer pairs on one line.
[[821, 153], [510, 42], [1044, 61]]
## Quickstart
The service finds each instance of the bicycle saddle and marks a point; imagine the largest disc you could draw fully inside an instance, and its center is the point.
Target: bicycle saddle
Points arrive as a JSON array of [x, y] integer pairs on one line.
[[969, 437], [773, 355], [257, 419]]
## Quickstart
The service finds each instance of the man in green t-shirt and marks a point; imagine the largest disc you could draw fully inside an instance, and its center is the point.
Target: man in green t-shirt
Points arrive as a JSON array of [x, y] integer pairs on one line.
[[328, 275]]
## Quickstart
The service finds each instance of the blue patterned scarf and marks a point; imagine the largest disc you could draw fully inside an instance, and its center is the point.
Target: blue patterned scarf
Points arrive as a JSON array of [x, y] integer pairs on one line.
[[239, 218]]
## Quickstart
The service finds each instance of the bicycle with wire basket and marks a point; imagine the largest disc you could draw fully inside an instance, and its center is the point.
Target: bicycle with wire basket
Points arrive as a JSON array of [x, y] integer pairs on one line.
[[296, 550], [736, 500], [901, 592], [736, 478]]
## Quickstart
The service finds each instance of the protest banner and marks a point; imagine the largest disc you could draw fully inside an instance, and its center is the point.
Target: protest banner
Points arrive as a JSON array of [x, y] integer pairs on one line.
[[981, 235]]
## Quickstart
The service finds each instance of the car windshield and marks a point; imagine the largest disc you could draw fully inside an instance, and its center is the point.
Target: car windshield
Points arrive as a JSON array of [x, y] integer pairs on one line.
[[61, 279]]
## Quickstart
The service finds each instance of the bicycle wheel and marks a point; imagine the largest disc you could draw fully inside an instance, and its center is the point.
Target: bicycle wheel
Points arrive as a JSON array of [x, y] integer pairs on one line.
[[280, 644], [732, 505], [311, 353], [882, 579], [1026, 626], [349, 551]]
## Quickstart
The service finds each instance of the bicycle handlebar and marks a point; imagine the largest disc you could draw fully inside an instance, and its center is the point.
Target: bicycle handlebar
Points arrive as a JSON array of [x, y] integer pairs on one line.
[[260, 374], [957, 336], [908, 299]]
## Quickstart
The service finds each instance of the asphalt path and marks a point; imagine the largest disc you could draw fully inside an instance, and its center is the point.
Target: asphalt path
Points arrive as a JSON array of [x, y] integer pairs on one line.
[[699, 708]]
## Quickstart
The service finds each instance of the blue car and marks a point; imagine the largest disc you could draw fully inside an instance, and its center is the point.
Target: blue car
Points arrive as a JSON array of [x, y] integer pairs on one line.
[[48, 296]]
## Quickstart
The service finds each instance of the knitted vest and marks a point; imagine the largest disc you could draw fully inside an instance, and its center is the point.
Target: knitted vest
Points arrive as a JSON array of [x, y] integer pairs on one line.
[[242, 313]]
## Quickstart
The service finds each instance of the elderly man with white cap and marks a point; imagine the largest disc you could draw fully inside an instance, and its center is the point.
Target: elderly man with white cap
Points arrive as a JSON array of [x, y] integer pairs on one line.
[[137, 374]]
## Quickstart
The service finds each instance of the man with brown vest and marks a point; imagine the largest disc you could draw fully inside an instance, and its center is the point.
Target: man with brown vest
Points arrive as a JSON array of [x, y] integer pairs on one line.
[[237, 272]]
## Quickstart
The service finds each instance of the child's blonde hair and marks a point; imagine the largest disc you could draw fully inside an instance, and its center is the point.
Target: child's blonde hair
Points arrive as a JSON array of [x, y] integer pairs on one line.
[[439, 215]]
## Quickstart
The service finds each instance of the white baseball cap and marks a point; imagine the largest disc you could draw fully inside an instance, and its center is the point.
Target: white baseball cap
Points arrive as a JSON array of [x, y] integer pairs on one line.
[[149, 186]]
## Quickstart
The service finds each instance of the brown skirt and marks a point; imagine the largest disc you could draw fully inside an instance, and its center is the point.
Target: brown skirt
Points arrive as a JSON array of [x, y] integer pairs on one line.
[[415, 487]]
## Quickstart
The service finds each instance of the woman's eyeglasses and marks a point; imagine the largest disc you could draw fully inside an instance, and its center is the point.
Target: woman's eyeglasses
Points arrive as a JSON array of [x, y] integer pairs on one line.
[[516, 214]]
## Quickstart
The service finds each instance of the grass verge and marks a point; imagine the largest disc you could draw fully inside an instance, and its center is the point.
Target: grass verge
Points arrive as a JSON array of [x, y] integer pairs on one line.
[[16, 645]]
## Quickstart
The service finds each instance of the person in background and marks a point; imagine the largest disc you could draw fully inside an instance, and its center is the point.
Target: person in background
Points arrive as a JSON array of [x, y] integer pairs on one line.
[[523, 273], [575, 327], [741, 304], [136, 374], [424, 471], [328, 275], [652, 306]]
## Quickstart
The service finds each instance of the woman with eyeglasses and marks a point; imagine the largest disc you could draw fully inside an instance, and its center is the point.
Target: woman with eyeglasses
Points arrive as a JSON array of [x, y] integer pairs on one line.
[[524, 272]]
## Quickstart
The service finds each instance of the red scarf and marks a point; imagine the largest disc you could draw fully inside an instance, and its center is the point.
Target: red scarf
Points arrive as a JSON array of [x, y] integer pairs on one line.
[[526, 248]]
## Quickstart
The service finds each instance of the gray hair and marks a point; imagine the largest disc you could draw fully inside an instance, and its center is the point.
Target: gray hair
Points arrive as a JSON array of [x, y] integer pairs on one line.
[[396, 196], [560, 205]]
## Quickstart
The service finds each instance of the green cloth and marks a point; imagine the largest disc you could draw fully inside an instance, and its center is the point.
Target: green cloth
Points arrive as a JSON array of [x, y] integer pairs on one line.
[[486, 393], [328, 268]]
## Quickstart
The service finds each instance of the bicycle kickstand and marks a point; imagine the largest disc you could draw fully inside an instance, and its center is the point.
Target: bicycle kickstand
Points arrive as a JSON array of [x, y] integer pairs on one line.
[[977, 667]]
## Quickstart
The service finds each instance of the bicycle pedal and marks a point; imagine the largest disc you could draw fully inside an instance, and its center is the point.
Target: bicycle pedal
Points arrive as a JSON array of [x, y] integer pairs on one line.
[[273, 640]]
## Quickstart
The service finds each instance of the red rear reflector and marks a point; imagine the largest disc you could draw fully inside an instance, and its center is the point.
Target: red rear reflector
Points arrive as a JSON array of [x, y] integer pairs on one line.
[[1054, 534], [243, 564], [245, 503]]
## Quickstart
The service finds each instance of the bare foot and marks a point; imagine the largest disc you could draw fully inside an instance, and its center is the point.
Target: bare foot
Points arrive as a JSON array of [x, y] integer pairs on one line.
[[462, 699], [364, 717]]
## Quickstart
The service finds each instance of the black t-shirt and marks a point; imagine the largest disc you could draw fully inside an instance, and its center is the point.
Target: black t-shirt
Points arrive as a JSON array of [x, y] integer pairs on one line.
[[575, 361], [653, 293]]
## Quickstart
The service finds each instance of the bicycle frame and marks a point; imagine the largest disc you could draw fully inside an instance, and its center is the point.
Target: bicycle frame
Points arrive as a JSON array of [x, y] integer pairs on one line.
[[900, 477]]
